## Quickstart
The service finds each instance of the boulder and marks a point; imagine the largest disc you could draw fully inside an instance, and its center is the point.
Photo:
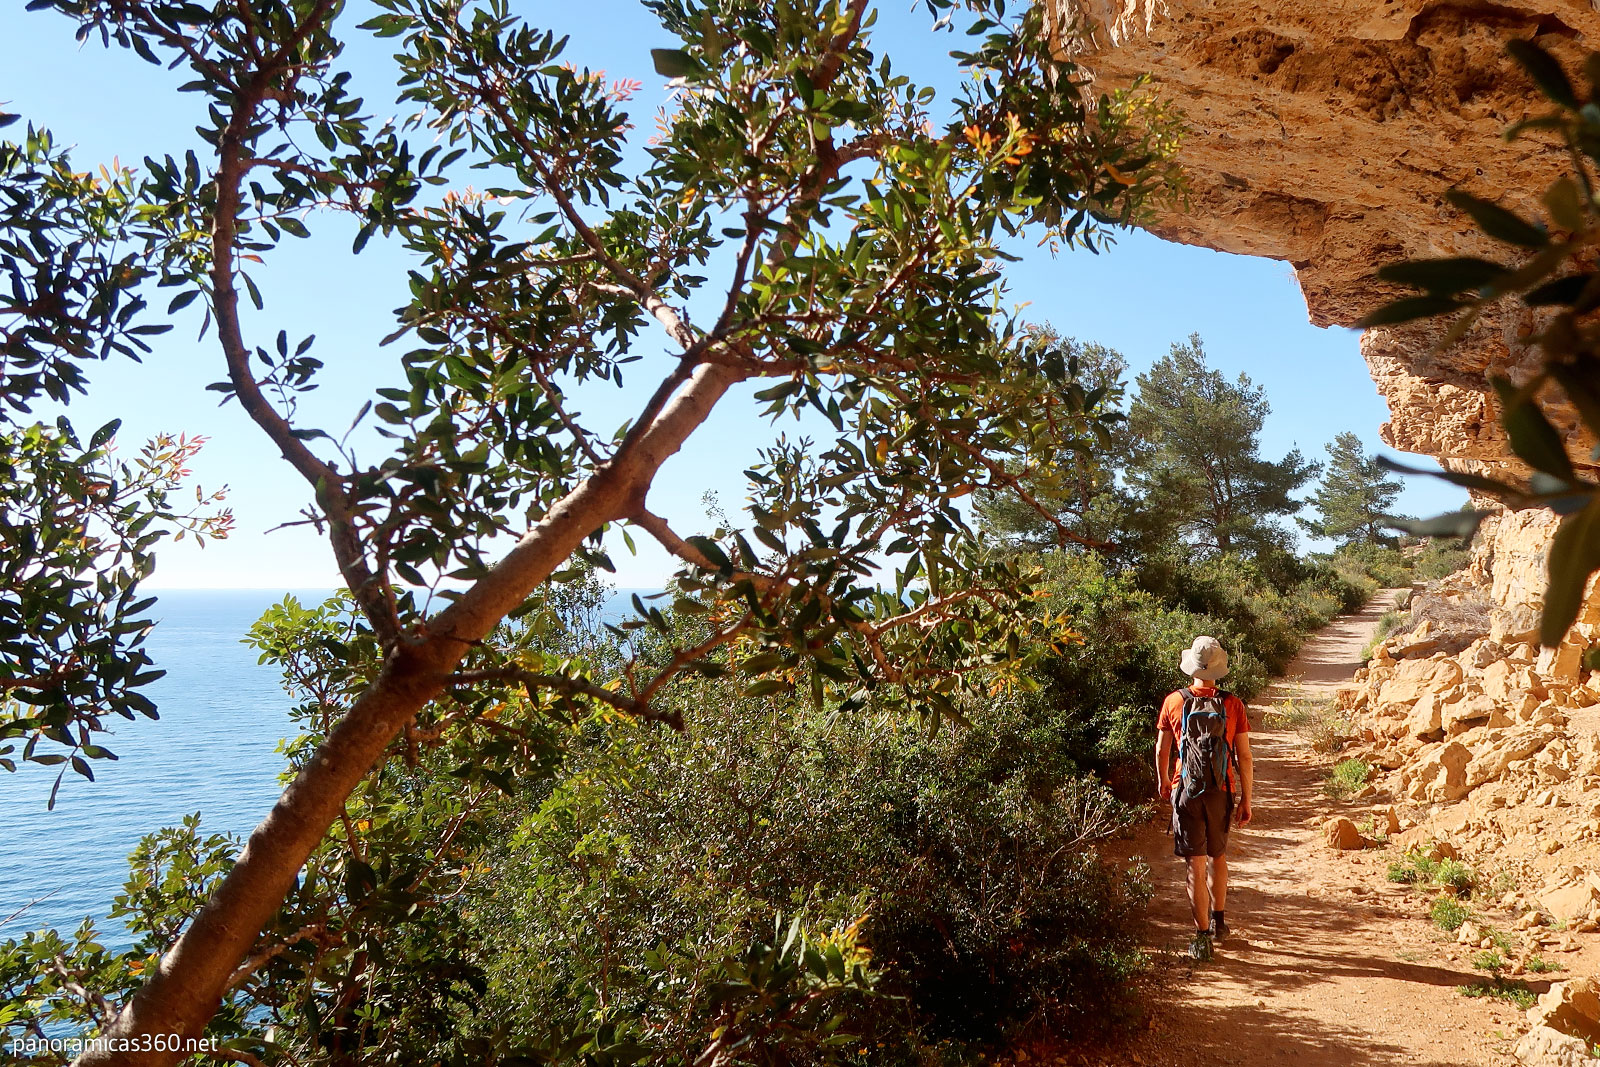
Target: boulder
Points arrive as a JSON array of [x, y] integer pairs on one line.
[[1424, 720], [1414, 677], [1418, 642], [1466, 713], [1563, 663], [1570, 902], [1502, 678], [1571, 1008], [1340, 833], [1517, 744], [1440, 775], [1544, 1046]]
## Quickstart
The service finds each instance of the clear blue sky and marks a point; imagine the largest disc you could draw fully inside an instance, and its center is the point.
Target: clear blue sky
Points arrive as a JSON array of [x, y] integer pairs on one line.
[[1140, 297]]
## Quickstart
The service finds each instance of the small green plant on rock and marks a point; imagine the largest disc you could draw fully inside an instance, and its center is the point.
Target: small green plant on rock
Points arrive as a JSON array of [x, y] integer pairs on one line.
[[1448, 913], [1388, 622], [1540, 965], [1514, 993], [1455, 876], [1346, 778], [1414, 868]]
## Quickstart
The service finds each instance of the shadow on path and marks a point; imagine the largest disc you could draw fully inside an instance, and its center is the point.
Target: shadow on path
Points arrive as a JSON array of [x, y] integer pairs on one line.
[[1324, 968]]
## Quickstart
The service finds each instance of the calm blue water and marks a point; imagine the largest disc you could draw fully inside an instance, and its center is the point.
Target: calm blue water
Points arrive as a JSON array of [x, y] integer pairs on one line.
[[213, 751]]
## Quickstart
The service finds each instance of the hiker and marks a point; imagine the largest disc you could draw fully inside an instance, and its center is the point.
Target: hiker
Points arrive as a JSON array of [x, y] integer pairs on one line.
[[1210, 731]]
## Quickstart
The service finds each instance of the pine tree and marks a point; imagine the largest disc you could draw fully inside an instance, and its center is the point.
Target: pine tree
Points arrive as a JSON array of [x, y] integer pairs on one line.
[[1197, 465], [1354, 498], [1072, 500]]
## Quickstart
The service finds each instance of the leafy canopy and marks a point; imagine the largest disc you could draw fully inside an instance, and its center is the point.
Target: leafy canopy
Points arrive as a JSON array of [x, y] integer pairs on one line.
[[1196, 457], [807, 221], [1355, 496]]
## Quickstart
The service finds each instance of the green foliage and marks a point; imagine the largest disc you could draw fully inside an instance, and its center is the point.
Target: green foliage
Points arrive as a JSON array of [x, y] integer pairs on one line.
[[1380, 565], [1070, 497], [80, 525], [1386, 624], [1346, 778], [1517, 994], [1417, 868], [1456, 877], [1269, 605], [1354, 497], [1537, 964], [1414, 869], [1196, 460], [615, 897], [1548, 267], [928, 852], [1489, 960], [1448, 913], [856, 226]]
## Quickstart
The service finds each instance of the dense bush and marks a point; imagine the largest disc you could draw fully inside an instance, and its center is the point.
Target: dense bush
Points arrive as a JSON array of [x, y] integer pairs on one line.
[[964, 862]]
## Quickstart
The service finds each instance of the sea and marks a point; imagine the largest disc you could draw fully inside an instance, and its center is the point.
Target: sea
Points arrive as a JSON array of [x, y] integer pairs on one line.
[[214, 751]]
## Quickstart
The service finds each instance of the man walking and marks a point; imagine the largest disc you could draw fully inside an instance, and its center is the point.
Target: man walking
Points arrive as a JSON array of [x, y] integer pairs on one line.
[[1210, 732]]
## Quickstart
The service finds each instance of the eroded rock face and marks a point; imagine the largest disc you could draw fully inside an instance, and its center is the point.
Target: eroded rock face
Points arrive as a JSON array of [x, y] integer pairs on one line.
[[1324, 133]]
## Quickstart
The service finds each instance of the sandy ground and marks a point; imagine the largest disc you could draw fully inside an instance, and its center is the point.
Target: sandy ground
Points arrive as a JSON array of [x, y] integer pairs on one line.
[[1329, 965]]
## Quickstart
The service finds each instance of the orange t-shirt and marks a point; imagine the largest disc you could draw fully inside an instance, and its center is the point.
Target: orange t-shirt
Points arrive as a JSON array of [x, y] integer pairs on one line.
[[1171, 720]]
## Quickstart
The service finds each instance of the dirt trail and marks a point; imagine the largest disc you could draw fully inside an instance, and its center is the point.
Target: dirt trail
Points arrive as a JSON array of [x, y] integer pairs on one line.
[[1329, 965]]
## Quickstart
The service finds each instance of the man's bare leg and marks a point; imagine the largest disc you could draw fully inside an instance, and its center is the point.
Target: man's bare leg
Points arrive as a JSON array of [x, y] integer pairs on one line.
[[1199, 896], [1219, 883]]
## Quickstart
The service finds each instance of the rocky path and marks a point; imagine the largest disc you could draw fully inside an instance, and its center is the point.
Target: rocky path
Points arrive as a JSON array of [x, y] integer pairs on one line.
[[1330, 965]]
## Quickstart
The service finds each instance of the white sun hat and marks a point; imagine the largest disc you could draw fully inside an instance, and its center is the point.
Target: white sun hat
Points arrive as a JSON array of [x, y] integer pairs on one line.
[[1206, 658]]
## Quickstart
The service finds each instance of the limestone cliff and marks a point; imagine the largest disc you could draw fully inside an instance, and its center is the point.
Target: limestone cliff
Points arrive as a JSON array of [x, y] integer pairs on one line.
[[1324, 133]]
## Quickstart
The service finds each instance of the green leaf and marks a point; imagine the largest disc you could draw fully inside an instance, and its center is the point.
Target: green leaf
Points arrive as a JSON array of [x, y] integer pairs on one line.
[[1462, 524], [1444, 277], [1497, 222], [1574, 555], [674, 63], [1544, 70], [6, 120], [712, 552], [1583, 389], [1565, 203], [1501, 490], [1563, 291], [767, 686], [1410, 309], [1533, 439]]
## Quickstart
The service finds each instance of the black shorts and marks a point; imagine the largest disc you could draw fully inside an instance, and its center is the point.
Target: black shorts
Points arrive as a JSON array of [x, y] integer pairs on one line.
[[1200, 824]]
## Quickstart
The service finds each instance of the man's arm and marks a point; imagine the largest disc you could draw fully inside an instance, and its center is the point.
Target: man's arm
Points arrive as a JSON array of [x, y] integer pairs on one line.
[[1247, 776], [1164, 763]]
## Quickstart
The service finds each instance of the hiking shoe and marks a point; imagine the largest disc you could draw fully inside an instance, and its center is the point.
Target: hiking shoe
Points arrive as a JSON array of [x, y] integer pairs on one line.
[[1219, 930], [1200, 947]]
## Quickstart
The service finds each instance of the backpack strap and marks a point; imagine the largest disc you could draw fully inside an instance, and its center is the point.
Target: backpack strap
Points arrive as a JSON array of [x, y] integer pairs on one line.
[[1183, 723]]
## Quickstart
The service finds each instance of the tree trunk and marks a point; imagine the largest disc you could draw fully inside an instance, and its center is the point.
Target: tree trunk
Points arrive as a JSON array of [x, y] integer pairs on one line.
[[187, 989]]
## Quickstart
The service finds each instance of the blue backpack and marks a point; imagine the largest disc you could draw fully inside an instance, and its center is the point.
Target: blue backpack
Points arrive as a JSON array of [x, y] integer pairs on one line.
[[1203, 749]]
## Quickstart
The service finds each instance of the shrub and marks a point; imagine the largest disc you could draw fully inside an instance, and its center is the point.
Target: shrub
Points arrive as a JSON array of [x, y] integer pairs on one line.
[[965, 862], [1346, 778], [1448, 913], [1514, 993], [1455, 876], [1380, 565], [1439, 558], [1489, 960], [1319, 723]]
